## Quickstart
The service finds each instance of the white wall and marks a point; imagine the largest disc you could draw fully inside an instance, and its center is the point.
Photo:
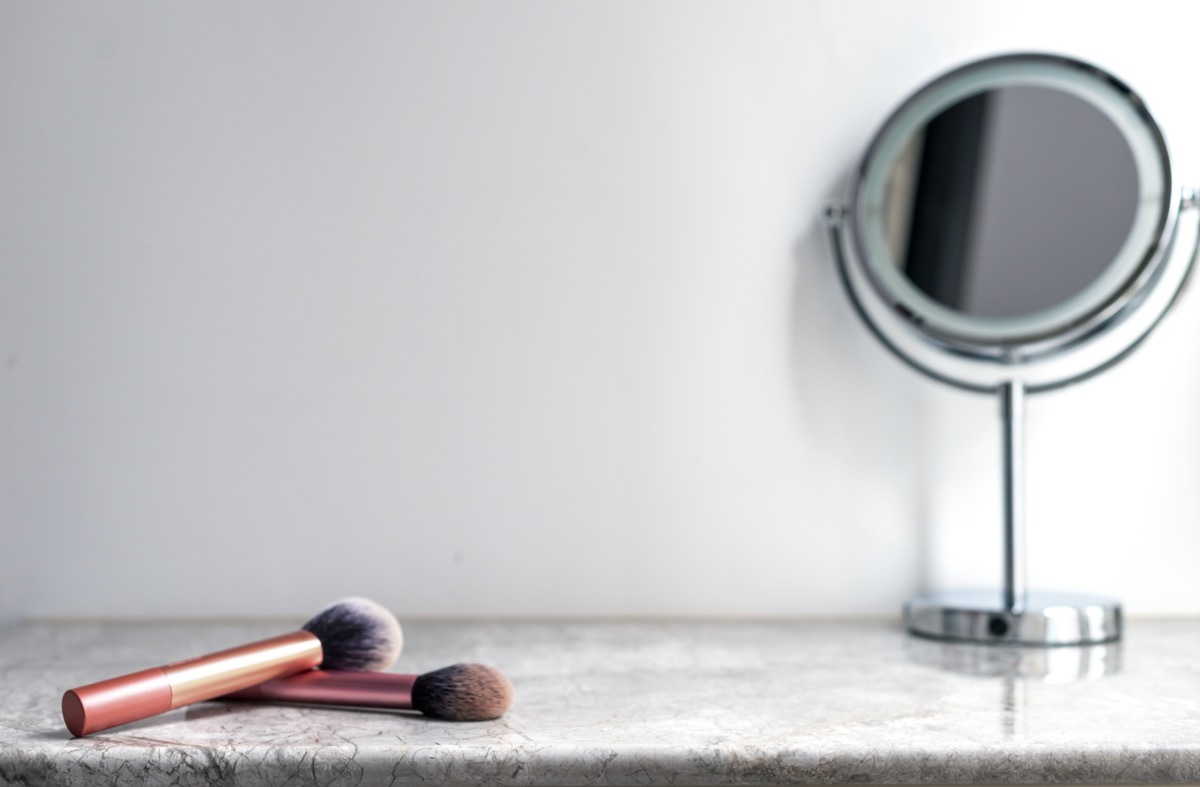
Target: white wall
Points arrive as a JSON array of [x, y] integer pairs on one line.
[[523, 309]]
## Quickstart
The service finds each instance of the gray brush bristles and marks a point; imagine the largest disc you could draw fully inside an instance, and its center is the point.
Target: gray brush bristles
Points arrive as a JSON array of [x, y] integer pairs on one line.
[[462, 692], [357, 634]]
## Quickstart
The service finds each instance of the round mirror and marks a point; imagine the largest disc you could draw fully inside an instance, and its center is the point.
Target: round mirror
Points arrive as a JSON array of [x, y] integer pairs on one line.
[[1012, 210], [1013, 227], [1013, 205]]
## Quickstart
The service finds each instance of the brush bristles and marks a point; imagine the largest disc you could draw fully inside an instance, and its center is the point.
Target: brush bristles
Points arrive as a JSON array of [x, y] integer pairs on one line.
[[462, 692], [357, 634]]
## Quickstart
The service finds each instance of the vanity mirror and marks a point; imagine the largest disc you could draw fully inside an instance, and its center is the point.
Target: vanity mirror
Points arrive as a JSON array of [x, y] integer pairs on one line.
[[1015, 227]]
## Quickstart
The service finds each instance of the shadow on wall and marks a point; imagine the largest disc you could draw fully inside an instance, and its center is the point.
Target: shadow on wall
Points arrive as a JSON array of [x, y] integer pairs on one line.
[[862, 415]]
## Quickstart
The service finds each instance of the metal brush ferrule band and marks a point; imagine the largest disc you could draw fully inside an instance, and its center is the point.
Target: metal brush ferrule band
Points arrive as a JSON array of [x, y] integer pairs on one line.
[[219, 673]]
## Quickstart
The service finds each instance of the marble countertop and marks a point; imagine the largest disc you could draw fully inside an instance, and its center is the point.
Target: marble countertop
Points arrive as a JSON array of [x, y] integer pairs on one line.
[[639, 703]]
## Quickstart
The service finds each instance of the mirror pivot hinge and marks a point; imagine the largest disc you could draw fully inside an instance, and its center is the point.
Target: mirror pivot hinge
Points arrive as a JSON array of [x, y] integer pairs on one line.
[[835, 214]]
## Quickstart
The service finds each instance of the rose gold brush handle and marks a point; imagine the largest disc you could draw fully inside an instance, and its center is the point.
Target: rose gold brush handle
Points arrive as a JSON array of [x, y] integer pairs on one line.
[[361, 689], [139, 695]]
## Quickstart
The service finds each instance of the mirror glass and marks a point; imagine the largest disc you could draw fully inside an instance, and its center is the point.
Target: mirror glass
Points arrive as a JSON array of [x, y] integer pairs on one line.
[[1010, 201]]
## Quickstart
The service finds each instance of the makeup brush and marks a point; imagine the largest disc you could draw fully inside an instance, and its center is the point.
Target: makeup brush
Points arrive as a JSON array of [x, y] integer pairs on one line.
[[461, 692], [354, 633]]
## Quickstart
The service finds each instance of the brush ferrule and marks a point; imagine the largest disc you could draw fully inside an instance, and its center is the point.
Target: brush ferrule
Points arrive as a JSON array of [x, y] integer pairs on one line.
[[360, 689], [211, 676]]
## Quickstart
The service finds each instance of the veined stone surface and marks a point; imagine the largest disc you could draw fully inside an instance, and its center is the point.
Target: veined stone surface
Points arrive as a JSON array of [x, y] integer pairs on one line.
[[638, 703]]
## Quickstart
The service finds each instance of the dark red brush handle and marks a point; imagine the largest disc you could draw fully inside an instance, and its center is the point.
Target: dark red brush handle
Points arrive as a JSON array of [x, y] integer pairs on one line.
[[361, 689]]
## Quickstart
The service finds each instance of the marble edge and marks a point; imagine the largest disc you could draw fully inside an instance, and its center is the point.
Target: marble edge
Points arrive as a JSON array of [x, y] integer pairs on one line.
[[165, 762]]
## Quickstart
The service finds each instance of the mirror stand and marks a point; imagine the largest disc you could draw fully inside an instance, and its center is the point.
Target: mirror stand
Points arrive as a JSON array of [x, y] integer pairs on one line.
[[974, 249], [1015, 615]]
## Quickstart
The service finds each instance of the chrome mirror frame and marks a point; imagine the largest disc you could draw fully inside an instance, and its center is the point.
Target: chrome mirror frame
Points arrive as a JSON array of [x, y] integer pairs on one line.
[[1010, 360]]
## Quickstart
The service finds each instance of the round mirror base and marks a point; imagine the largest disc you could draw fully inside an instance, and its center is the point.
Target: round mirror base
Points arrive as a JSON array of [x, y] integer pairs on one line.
[[1045, 618]]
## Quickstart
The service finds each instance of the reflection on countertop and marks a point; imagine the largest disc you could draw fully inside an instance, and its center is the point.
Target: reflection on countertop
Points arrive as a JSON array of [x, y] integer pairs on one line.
[[641, 703]]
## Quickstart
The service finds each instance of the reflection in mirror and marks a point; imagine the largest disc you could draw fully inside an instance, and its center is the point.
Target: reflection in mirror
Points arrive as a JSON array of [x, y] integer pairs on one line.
[[1010, 201]]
